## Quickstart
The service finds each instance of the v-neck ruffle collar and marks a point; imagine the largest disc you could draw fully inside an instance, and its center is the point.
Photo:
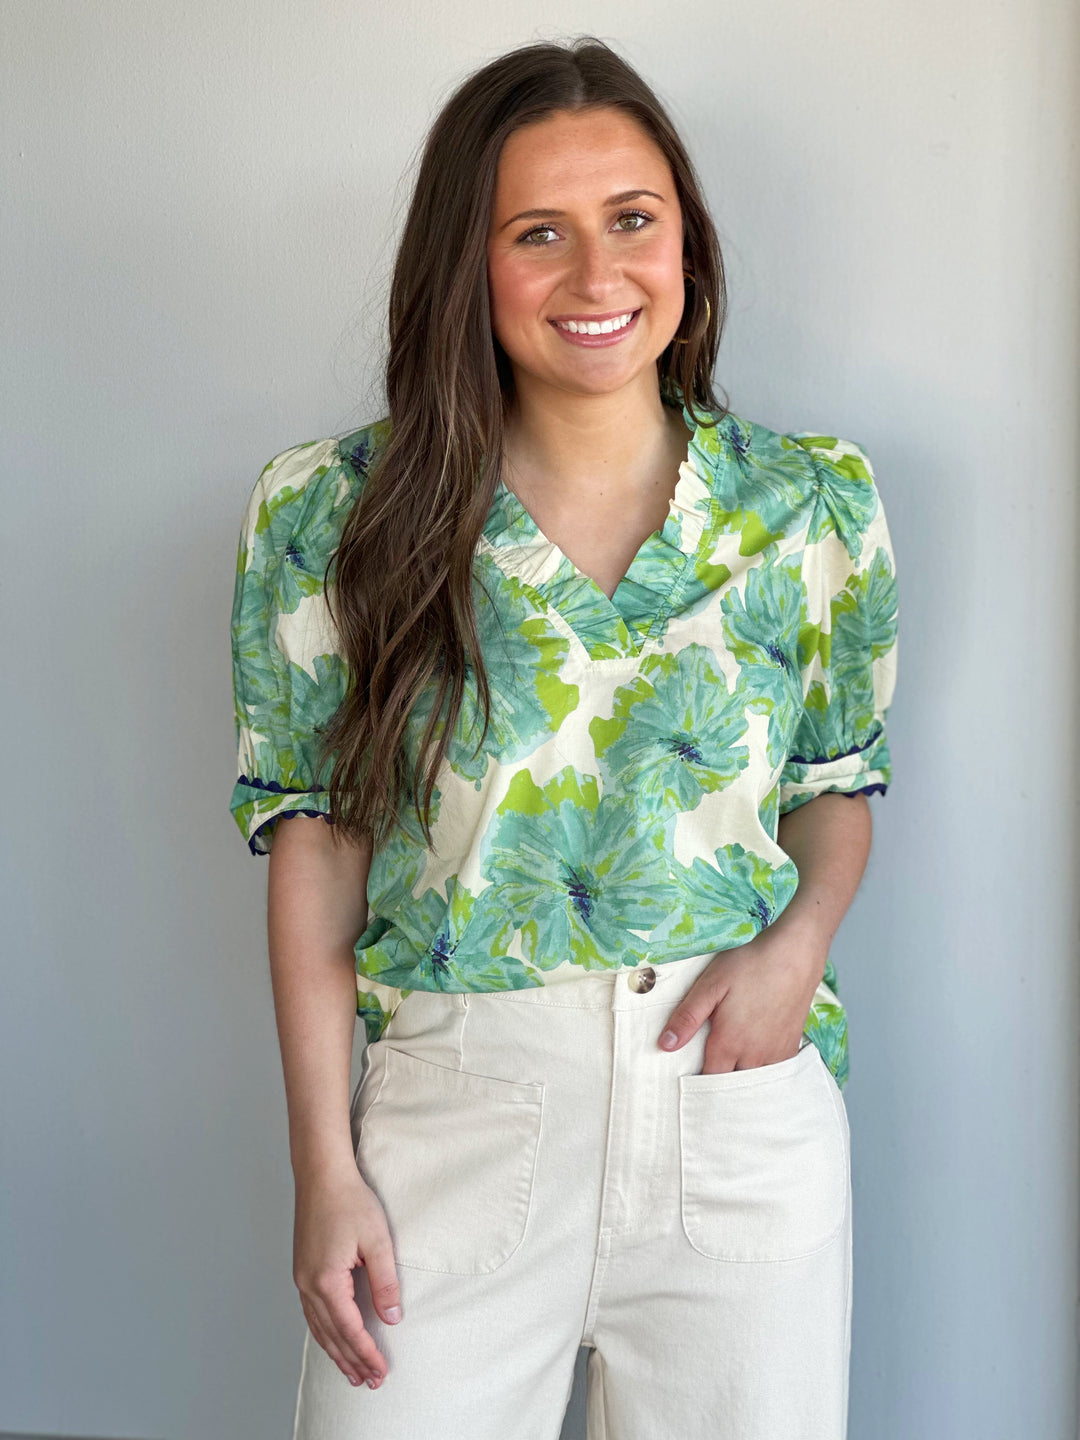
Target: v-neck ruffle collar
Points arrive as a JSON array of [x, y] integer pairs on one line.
[[646, 594]]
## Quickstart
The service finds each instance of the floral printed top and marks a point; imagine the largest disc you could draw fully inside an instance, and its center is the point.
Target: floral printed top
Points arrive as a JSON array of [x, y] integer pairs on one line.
[[623, 807]]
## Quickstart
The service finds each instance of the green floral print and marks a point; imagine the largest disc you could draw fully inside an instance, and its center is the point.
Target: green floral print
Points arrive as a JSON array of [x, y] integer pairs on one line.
[[624, 804]]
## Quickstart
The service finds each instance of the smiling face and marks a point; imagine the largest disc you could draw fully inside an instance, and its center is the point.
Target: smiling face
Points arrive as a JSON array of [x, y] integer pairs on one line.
[[601, 239]]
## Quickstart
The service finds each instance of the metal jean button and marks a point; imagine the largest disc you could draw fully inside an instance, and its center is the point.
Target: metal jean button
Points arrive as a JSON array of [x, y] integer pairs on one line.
[[642, 981]]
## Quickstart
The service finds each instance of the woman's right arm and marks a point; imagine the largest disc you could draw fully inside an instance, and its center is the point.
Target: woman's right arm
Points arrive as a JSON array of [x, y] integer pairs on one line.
[[316, 911]]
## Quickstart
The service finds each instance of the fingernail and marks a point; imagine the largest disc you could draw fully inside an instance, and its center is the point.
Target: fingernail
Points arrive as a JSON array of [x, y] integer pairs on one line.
[[394, 1314], [668, 1039], [370, 1383]]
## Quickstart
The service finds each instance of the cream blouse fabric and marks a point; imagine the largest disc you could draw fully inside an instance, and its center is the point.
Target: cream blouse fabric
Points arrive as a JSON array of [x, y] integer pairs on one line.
[[623, 806]]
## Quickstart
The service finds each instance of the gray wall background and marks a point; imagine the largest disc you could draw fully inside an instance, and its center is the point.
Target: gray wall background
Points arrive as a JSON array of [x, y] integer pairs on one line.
[[199, 215]]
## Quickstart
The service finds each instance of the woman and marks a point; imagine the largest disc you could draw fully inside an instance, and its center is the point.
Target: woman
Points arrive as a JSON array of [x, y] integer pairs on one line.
[[589, 676]]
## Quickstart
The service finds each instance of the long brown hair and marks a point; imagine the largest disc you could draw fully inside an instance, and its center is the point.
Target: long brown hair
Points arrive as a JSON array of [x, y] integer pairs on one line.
[[403, 570]]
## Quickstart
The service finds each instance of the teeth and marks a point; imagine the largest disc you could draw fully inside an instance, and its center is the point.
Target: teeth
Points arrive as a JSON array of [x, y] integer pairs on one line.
[[595, 327]]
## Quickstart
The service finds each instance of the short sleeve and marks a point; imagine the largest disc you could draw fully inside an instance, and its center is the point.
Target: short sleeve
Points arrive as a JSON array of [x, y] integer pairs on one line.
[[847, 632], [288, 672]]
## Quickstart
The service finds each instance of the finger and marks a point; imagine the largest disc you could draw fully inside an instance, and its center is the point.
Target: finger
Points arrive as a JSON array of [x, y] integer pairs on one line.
[[719, 1058], [690, 1014], [382, 1280], [346, 1360], [354, 1374], [341, 1315], [332, 1297]]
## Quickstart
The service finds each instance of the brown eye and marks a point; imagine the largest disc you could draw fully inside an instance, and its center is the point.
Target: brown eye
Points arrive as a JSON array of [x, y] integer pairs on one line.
[[537, 230], [640, 214]]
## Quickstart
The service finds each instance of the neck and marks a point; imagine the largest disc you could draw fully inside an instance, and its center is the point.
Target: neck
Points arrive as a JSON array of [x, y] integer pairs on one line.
[[567, 443]]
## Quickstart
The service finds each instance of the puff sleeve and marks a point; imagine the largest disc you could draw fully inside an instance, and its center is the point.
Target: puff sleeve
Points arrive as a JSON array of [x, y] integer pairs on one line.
[[288, 674], [847, 632]]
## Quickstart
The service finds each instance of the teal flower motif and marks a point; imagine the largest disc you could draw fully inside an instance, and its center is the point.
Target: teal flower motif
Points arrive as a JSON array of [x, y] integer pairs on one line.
[[316, 530], [673, 732], [843, 718], [280, 703], [446, 942], [523, 657], [728, 902], [293, 723], [298, 527], [397, 866], [757, 473], [570, 873], [832, 728], [254, 672], [421, 943], [863, 619], [762, 630], [361, 447], [847, 499]]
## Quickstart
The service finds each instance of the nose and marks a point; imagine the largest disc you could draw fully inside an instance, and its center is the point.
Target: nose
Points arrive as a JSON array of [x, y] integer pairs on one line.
[[596, 269]]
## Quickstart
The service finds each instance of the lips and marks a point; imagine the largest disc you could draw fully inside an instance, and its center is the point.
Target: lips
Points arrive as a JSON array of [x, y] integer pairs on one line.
[[587, 319], [592, 342]]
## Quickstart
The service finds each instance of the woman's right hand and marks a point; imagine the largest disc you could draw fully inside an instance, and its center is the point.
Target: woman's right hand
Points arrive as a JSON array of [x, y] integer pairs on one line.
[[339, 1225]]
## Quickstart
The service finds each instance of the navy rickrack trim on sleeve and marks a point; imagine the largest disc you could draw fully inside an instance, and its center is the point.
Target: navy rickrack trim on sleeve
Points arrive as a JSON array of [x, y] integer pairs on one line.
[[841, 755], [279, 789], [274, 788], [282, 815]]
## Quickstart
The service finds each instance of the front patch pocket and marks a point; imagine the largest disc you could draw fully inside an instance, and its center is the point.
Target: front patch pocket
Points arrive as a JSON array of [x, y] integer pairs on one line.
[[451, 1156], [765, 1160]]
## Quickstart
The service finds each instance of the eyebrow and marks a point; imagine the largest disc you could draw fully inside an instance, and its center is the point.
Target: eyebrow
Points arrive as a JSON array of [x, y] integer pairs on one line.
[[611, 200]]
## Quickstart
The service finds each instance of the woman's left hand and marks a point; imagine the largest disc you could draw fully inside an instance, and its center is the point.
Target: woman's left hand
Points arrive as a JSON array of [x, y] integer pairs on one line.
[[756, 998]]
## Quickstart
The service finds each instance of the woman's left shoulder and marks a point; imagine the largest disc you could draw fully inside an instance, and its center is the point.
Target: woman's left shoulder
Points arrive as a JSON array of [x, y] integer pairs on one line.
[[791, 480], [846, 495], [836, 459]]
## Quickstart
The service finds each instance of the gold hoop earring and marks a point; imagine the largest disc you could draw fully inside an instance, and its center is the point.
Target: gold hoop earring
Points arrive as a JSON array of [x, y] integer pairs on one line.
[[689, 275]]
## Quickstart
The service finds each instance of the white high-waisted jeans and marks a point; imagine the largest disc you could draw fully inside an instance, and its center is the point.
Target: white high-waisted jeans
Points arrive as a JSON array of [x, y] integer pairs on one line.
[[553, 1179]]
